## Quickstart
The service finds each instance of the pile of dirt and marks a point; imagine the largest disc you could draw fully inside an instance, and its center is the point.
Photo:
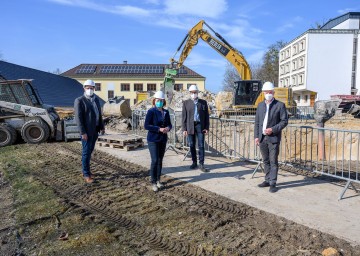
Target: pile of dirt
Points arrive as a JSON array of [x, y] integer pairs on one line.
[[177, 101]]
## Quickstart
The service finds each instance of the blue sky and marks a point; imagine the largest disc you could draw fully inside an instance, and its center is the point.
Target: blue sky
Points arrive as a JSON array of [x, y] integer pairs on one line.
[[51, 34]]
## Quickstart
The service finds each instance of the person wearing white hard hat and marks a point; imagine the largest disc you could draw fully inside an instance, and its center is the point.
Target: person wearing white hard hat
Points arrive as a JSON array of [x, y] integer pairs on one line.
[[89, 120], [158, 124], [195, 124], [271, 118]]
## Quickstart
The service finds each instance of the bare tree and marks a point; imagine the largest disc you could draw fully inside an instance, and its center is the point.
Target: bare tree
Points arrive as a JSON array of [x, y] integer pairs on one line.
[[57, 71], [256, 70], [270, 67], [231, 75]]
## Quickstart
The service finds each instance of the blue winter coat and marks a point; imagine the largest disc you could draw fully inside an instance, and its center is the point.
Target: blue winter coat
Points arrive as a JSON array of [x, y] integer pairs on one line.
[[154, 121]]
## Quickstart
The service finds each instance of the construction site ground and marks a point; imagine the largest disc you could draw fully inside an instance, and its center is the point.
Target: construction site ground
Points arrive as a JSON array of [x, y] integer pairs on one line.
[[47, 209]]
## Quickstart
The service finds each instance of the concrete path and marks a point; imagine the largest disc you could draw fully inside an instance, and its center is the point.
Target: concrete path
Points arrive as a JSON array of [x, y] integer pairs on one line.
[[307, 201]]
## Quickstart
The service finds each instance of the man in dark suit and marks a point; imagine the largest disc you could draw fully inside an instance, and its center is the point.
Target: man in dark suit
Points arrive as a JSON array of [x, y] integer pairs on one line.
[[271, 118], [195, 123], [89, 120]]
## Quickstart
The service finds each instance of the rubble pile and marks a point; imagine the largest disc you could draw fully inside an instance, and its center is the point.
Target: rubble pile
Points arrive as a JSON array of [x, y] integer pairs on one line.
[[177, 100], [117, 124]]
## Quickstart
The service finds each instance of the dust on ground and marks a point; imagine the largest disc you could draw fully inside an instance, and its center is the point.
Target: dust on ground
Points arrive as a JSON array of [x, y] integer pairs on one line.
[[48, 210]]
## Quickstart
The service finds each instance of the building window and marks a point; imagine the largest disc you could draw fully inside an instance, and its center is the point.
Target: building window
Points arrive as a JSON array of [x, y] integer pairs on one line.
[[135, 101], [302, 45], [178, 87], [110, 94], [97, 87], [138, 87], [353, 81], [282, 56], [151, 87], [306, 98], [299, 99], [301, 79], [288, 53], [287, 82], [125, 87], [281, 70], [293, 81], [354, 63], [294, 65], [355, 46], [188, 85], [301, 62], [294, 50]]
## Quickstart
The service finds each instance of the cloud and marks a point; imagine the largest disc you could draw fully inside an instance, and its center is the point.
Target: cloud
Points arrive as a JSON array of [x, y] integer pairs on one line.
[[199, 8], [289, 24], [125, 10], [346, 10]]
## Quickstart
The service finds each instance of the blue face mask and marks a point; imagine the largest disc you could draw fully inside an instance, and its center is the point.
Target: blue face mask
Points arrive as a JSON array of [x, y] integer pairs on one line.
[[159, 104]]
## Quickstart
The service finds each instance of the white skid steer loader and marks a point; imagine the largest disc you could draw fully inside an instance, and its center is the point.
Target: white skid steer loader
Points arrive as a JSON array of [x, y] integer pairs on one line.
[[22, 113]]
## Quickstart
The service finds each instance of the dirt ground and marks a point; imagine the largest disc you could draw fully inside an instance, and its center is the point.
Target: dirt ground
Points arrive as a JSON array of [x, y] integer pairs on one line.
[[46, 209]]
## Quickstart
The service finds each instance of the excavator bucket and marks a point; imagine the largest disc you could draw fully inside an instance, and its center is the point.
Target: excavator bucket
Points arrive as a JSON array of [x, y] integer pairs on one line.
[[118, 106]]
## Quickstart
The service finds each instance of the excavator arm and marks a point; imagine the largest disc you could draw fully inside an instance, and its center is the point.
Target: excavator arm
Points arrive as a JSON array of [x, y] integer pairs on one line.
[[219, 44]]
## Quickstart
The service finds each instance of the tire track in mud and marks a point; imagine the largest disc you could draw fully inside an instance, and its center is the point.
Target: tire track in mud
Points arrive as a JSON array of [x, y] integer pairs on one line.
[[68, 190], [215, 224]]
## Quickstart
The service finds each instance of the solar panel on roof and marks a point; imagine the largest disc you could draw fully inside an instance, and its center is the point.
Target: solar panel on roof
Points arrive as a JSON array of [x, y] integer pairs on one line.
[[86, 69]]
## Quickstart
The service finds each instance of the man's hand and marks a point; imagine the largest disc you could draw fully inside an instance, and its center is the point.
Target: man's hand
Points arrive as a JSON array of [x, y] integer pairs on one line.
[[205, 131], [257, 141], [185, 133], [268, 131], [84, 136]]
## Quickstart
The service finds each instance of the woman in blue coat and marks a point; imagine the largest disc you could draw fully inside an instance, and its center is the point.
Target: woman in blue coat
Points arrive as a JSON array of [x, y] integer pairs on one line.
[[158, 124]]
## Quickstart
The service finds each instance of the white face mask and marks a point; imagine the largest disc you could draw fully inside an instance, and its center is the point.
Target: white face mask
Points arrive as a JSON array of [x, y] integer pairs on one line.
[[269, 96], [89, 92], [194, 96]]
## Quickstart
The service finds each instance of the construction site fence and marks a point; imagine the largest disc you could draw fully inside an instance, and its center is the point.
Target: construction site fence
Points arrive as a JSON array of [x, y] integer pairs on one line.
[[330, 152]]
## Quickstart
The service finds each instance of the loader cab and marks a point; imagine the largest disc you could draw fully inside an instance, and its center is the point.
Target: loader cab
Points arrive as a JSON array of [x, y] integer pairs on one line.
[[247, 92], [20, 92]]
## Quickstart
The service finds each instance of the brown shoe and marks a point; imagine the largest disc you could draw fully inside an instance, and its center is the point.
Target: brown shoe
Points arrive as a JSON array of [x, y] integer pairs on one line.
[[89, 180]]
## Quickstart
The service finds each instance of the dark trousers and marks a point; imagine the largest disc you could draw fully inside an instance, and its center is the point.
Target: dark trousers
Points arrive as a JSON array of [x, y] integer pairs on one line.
[[201, 144], [270, 152], [157, 152], [87, 149]]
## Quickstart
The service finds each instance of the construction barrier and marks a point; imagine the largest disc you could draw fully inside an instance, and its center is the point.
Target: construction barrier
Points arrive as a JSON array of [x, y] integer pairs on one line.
[[330, 152]]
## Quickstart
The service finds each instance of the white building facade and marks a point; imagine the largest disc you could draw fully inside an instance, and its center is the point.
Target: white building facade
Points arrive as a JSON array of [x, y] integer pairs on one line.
[[323, 62]]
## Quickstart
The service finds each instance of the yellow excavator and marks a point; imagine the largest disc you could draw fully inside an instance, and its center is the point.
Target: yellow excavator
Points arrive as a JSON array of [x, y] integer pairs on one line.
[[247, 93]]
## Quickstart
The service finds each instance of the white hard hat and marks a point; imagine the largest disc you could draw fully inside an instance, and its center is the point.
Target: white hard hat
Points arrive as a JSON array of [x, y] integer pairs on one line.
[[268, 86], [89, 83], [159, 95], [193, 87]]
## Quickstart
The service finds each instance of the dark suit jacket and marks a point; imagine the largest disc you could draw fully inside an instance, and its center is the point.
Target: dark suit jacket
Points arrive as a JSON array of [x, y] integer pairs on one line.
[[277, 120], [188, 111], [85, 116]]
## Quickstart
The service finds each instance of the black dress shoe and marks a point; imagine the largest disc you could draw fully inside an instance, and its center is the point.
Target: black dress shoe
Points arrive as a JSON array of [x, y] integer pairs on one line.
[[273, 189], [193, 166], [202, 168], [264, 184]]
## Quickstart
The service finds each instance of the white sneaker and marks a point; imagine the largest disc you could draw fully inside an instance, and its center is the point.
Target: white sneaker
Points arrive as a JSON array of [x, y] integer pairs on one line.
[[155, 188], [159, 184]]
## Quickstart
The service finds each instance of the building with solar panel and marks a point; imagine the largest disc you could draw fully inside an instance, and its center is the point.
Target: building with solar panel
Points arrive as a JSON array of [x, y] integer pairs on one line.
[[132, 80]]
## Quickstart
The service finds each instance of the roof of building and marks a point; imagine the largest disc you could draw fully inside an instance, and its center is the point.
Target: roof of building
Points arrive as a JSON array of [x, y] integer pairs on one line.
[[336, 21], [54, 90], [126, 71]]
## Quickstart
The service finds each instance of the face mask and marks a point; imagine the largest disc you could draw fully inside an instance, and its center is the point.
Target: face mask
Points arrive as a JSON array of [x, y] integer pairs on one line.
[[269, 96], [194, 96], [89, 92], [159, 104]]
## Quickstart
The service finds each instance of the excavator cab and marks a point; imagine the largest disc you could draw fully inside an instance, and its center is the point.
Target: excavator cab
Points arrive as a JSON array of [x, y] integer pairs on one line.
[[247, 92]]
